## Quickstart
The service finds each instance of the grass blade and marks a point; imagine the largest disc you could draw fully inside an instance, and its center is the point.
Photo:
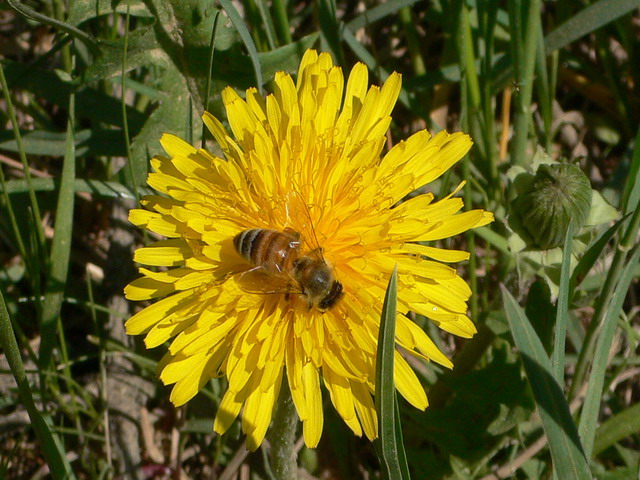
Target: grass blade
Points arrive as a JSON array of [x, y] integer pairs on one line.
[[98, 188], [35, 209], [621, 425], [331, 29], [390, 449], [567, 453], [586, 21], [372, 15], [51, 446], [631, 194], [32, 14], [237, 21], [369, 60], [207, 88], [60, 248], [282, 21], [591, 407], [562, 313], [592, 254]]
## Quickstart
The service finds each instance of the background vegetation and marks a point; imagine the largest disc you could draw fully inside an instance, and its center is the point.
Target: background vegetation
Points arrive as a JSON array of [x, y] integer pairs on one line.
[[90, 84]]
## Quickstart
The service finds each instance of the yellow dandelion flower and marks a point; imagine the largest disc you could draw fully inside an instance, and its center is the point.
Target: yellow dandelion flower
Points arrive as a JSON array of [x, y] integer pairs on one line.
[[278, 255]]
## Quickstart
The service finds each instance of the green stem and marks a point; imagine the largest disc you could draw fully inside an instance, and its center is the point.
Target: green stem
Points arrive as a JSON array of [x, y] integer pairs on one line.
[[207, 88], [60, 246], [524, 62], [32, 14], [37, 218], [469, 60], [282, 437], [123, 104], [487, 14], [14, 223], [413, 41], [543, 89], [282, 21]]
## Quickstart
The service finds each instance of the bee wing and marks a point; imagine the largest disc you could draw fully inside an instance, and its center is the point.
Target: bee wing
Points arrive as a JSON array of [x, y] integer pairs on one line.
[[264, 281], [296, 203]]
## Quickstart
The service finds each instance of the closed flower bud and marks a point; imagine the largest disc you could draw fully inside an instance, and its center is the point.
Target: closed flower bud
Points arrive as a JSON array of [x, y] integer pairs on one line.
[[558, 195]]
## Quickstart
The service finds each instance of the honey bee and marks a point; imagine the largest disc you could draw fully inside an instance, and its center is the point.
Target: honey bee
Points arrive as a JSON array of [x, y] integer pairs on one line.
[[280, 267]]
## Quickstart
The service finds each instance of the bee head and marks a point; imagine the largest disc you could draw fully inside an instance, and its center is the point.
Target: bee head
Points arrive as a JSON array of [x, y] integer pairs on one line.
[[316, 280], [335, 293]]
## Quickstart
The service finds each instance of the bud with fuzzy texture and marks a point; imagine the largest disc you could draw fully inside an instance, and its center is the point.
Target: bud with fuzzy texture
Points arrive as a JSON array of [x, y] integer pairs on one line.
[[558, 195]]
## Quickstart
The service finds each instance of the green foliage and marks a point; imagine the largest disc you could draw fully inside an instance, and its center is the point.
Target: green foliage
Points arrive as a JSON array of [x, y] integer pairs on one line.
[[544, 389], [389, 445]]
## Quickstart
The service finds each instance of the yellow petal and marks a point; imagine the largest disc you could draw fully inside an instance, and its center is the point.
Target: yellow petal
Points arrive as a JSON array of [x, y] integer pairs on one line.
[[148, 317], [342, 398], [164, 253], [365, 409], [175, 146], [312, 426], [227, 411], [146, 288], [407, 383], [257, 414]]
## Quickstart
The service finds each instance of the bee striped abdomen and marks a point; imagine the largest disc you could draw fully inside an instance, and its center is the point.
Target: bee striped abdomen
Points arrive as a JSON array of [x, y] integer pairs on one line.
[[273, 250]]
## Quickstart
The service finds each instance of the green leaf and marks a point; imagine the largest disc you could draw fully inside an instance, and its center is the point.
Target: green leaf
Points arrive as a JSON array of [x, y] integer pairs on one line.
[[95, 187], [32, 14], [567, 453], [89, 9], [601, 211], [331, 30], [89, 143], [495, 239], [365, 57], [41, 424], [142, 49], [237, 21], [592, 254], [593, 399], [372, 15], [562, 312], [389, 443], [586, 21], [60, 248], [286, 58], [91, 104], [622, 425], [631, 194]]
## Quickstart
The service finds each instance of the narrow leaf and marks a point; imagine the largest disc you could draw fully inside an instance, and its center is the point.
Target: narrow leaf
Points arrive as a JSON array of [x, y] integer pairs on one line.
[[588, 20], [99, 188], [372, 15], [61, 247], [621, 425], [237, 21], [631, 194], [592, 254], [91, 143], [390, 451], [593, 399], [566, 451], [286, 58], [51, 445], [562, 312], [365, 57]]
